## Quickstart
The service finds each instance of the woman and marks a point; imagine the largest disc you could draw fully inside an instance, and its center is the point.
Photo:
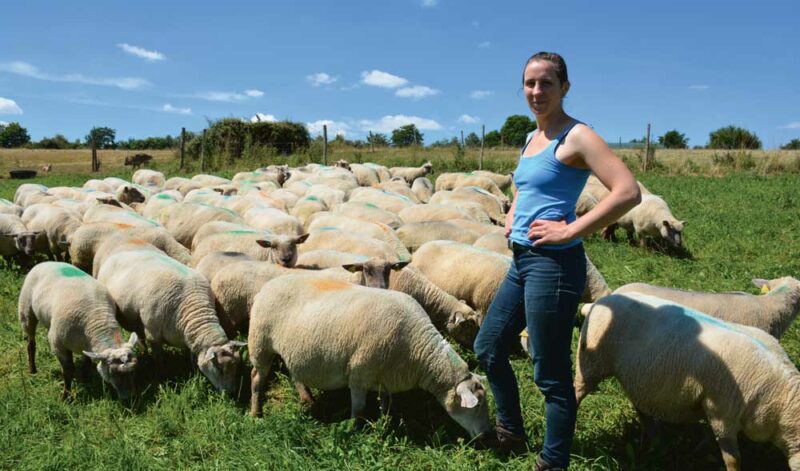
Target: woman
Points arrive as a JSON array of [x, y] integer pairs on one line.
[[547, 276]]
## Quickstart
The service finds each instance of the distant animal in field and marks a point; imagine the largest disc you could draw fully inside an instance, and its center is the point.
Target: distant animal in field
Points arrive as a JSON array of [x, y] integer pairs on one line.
[[46, 168], [137, 160]]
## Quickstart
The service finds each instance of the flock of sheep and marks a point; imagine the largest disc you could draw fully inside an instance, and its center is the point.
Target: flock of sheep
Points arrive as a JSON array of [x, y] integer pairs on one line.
[[357, 275]]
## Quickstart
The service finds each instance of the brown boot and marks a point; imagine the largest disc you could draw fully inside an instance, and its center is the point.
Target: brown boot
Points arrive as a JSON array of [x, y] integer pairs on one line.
[[510, 443], [542, 465]]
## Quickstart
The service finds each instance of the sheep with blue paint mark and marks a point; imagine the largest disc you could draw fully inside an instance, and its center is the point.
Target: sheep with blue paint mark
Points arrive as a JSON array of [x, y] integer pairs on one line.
[[679, 365], [80, 317]]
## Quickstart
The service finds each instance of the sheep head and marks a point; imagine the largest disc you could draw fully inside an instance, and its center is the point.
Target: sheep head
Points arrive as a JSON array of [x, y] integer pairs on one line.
[[375, 271], [117, 366], [285, 248], [220, 364], [466, 404]]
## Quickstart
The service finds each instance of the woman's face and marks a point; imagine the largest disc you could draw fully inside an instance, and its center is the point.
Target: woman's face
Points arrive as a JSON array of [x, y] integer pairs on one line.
[[543, 90]]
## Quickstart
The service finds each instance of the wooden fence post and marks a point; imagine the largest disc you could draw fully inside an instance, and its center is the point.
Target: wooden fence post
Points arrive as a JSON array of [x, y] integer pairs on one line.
[[203, 152], [183, 143], [324, 144], [462, 138], [480, 161], [94, 156], [647, 148]]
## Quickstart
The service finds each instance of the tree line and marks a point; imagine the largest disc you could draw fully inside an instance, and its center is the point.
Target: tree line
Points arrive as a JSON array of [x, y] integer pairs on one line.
[[232, 135]]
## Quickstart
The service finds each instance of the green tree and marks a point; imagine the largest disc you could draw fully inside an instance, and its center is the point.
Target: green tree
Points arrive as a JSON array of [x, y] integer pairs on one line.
[[794, 144], [492, 139], [515, 129], [674, 140], [732, 137], [406, 135], [56, 142], [13, 135], [472, 140], [377, 139], [103, 137]]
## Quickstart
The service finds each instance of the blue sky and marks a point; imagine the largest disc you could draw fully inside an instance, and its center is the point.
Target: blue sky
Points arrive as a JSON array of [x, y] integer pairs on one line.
[[147, 68]]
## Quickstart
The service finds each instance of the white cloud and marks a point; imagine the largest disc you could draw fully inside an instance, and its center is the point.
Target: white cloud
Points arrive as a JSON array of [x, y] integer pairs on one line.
[[3, 123], [416, 92], [429, 3], [320, 78], [698, 87], [264, 118], [794, 125], [9, 106], [480, 94], [149, 56], [377, 78], [391, 122], [467, 119], [172, 109], [335, 128], [484, 44], [229, 97], [28, 70]]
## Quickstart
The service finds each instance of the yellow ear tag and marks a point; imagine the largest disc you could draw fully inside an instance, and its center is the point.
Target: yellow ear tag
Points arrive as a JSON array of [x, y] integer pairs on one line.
[[764, 289], [524, 333]]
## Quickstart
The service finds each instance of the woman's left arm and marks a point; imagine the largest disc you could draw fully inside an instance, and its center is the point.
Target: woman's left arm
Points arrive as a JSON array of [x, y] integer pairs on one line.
[[612, 172]]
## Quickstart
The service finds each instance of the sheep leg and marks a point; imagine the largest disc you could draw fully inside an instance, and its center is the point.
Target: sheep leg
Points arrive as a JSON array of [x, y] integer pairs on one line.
[[306, 396], [728, 444], [650, 428], [358, 405], [258, 386], [608, 232], [158, 361], [386, 402], [29, 325], [68, 369]]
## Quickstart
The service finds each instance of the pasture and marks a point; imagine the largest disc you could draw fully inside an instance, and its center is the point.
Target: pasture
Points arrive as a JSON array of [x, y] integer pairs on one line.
[[741, 225]]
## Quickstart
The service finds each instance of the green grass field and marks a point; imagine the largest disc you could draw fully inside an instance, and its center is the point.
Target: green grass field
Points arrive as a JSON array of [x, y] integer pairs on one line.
[[740, 226]]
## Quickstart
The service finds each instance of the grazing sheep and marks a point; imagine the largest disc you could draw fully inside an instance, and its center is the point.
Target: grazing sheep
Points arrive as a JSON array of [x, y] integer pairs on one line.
[[183, 220], [216, 227], [327, 220], [651, 217], [347, 241], [7, 207], [15, 239], [476, 226], [51, 225], [330, 196], [409, 174], [383, 172], [349, 325], [129, 194], [273, 220], [368, 212], [117, 243], [594, 191], [494, 207], [383, 199], [423, 189], [169, 303], [79, 315], [278, 249], [327, 258], [109, 213], [596, 286], [463, 271], [503, 182], [149, 178], [494, 241], [415, 234], [306, 207], [212, 263], [86, 240], [399, 186], [174, 183], [365, 175], [152, 208], [772, 312], [205, 180], [447, 313], [677, 364], [440, 212], [98, 185]]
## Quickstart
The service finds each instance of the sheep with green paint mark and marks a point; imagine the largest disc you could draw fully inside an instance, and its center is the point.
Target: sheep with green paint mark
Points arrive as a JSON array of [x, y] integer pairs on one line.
[[441, 212], [183, 220], [334, 336], [169, 303], [368, 212], [494, 206], [79, 315], [383, 199], [423, 189], [212, 263], [772, 312], [273, 220], [399, 186], [306, 207], [53, 226], [375, 230], [109, 213], [346, 241], [680, 365], [415, 234], [216, 227]]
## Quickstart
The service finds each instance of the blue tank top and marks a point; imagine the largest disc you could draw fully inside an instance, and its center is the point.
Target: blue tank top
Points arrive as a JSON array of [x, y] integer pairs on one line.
[[546, 189]]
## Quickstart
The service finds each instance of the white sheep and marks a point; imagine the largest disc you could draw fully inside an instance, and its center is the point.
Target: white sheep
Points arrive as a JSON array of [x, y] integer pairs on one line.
[[376, 230], [399, 186], [677, 364], [183, 219], [349, 325], [772, 312], [327, 258], [273, 220], [79, 315], [169, 303], [494, 206], [212, 263], [440, 212], [52, 225], [347, 241], [279, 249], [149, 178], [8, 207], [409, 174], [383, 199], [503, 182], [368, 212], [423, 189], [306, 207], [216, 227], [365, 175], [494, 241], [415, 234], [15, 239], [110, 213], [652, 217]]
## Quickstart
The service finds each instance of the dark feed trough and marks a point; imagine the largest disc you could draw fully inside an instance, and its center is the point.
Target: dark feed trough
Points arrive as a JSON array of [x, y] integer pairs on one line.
[[19, 174]]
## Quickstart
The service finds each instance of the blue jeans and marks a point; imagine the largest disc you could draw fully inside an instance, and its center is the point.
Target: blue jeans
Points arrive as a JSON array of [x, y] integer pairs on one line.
[[541, 292]]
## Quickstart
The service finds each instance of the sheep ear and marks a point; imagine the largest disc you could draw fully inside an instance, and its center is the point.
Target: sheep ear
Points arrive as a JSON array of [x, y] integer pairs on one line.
[[458, 319], [666, 223], [683, 222], [132, 340], [95, 356], [468, 399], [353, 267], [210, 355], [264, 243], [400, 265], [759, 282], [238, 343], [302, 238]]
